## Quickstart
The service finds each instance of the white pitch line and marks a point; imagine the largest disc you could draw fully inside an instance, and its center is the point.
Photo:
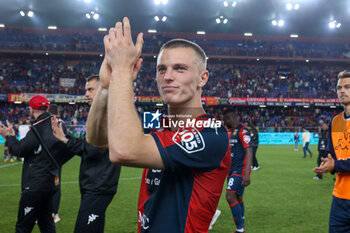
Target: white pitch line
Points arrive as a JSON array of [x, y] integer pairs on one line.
[[69, 182], [10, 164]]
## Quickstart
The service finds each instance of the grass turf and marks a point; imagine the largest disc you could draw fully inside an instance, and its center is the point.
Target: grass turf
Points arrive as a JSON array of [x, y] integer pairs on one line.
[[282, 196]]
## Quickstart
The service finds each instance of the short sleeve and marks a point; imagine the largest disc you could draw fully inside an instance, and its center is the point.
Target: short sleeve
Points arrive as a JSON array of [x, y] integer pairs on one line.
[[245, 138], [202, 150]]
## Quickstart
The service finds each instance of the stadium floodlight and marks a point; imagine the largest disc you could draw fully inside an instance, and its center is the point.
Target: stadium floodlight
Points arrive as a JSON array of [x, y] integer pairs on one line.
[[248, 34], [22, 13], [234, 4], [296, 6], [154, 56], [294, 35], [30, 14], [306, 106], [262, 106], [2, 25], [156, 18], [218, 20], [289, 6], [46, 54], [307, 60], [280, 23], [87, 15], [221, 17], [96, 16], [102, 29], [157, 2], [258, 59], [101, 55], [225, 21], [164, 2], [87, 1], [338, 25], [332, 24], [225, 3], [152, 31], [52, 27], [201, 32], [285, 106], [164, 18], [274, 22]]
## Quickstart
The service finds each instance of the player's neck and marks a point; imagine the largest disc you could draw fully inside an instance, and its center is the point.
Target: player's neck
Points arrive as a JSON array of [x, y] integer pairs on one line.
[[347, 109], [185, 113]]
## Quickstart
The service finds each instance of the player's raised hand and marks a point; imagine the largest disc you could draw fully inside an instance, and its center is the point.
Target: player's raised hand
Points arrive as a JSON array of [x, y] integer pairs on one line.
[[121, 53], [57, 129], [6, 131]]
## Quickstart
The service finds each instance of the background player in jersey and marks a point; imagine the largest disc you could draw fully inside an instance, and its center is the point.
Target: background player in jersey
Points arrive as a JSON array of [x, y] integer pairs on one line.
[[296, 140], [239, 175], [187, 165], [338, 160]]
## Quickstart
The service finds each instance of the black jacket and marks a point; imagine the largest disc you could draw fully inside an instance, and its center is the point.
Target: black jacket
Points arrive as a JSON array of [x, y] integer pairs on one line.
[[38, 172], [323, 140], [254, 135], [97, 174]]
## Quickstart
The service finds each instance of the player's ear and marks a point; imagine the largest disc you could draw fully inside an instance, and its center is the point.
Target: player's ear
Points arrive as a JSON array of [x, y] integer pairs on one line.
[[203, 78]]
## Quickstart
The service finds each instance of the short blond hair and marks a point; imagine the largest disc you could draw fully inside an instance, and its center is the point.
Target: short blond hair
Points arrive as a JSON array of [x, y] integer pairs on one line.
[[344, 74]]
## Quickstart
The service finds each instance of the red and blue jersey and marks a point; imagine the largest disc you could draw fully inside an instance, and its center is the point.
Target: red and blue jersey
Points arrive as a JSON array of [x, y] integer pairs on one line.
[[239, 141], [183, 197]]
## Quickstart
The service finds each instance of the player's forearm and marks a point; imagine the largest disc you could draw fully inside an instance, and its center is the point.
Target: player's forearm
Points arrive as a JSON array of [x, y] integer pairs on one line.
[[124, 129], [249, 158], [96, 125]]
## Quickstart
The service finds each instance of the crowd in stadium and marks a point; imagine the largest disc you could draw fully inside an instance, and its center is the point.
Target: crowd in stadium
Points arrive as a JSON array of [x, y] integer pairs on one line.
[[226, 80], [269, 119]]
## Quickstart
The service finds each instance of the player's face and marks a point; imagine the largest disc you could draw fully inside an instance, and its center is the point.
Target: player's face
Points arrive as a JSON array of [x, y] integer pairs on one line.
[[227, 121], [343, 91], [91, 89], [179, 77]]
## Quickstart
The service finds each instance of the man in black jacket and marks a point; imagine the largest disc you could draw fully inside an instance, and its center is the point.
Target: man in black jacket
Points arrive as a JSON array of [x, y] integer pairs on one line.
[[42, 159], [98, 177], [322, 144], [254, 135]]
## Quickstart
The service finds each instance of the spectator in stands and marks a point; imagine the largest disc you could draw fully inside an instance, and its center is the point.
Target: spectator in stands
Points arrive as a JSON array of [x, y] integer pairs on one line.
[[306, 137]]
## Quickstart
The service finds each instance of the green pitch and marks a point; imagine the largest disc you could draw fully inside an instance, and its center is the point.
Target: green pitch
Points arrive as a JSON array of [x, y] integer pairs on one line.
[[282, 196]]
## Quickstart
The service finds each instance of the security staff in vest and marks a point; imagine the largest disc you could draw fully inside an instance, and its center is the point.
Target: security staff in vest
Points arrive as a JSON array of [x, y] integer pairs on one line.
[[98, 177], [338, 159], [43, 155]]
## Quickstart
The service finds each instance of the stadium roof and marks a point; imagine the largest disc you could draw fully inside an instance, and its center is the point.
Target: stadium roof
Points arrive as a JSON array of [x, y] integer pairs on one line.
[[255, 16]]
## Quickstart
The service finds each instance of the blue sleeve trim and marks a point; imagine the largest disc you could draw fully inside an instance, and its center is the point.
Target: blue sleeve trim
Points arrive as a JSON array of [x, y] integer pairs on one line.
[[161, 150]]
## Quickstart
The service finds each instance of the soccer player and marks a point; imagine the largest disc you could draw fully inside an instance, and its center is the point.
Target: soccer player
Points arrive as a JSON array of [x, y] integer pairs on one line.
[[55, 202], [338, 160], [186, 166], [296, 140], [239, 175], [98, 177]]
